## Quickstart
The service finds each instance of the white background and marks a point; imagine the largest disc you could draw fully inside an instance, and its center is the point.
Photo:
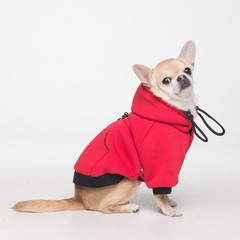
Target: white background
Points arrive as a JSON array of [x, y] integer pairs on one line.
[[65, 73]]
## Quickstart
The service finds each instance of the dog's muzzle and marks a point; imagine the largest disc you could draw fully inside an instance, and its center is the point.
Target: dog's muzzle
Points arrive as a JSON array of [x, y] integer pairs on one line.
[[183, 81]]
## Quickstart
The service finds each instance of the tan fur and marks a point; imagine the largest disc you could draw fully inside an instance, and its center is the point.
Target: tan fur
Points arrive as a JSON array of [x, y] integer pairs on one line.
[[164, 203], [185, 99], [71, 204], [108, 199], [105, 199], [111, 199], [182, 99]]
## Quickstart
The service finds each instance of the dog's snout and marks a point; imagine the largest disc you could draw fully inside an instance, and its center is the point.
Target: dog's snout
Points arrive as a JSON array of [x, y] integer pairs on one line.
[[181, 78], [183, 81]]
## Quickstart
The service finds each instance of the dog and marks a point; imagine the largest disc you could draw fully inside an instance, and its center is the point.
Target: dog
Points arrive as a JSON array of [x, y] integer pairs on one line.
[[148, 145]]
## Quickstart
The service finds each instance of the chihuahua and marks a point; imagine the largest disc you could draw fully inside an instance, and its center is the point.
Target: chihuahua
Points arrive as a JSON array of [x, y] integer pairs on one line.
[[170, 87]]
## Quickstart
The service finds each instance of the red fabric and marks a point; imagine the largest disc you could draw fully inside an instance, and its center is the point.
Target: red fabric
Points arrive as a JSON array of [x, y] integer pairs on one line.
[[149, 144]]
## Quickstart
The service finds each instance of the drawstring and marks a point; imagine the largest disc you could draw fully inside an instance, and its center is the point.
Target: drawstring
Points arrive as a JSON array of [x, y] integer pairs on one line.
[[197, 130], [123, 116], [195, 127]]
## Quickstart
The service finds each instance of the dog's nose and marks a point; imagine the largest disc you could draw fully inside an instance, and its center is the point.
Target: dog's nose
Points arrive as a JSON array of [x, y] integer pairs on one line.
[[181, 78]]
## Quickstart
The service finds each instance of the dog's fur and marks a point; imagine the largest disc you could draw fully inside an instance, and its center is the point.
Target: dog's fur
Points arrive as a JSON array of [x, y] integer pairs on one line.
[[114, 198]]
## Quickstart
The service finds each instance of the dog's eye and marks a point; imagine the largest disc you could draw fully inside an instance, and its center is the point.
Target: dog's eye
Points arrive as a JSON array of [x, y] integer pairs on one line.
[[188, 71], [166, 80]]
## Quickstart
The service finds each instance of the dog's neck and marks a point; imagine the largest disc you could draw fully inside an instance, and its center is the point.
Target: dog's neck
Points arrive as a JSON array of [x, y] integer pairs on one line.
[[182, 103]]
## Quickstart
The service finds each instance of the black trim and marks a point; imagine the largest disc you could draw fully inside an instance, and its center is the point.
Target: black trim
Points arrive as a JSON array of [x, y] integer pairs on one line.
[[95, 182], [162, 190]]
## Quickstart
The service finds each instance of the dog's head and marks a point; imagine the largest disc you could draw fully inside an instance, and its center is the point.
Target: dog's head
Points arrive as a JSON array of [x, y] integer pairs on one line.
[[172, 79]]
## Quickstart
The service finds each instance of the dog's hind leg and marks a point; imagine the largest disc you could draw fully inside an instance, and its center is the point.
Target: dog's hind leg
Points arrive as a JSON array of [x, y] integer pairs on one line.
[[110, 199], [127, 208], [113, 203]]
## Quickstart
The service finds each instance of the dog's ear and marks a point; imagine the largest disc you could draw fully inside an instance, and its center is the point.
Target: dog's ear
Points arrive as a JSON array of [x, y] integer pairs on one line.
[[188, 53], [143, 73]]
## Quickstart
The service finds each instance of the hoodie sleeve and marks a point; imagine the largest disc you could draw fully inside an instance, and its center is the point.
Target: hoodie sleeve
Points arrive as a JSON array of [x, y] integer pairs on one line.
[[162, 153]]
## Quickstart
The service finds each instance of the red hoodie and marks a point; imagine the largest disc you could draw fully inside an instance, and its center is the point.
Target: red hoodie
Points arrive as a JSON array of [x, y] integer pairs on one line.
[[150, 144]]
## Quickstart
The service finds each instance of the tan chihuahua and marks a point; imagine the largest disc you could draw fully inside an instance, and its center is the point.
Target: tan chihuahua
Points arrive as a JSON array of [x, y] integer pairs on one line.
[[172, 81]]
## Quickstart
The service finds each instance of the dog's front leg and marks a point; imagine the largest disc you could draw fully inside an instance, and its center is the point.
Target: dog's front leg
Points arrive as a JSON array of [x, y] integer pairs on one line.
[[171, 202], [163, 203]]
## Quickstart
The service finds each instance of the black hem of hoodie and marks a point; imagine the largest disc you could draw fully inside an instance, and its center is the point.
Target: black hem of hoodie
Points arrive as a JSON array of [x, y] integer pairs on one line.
[[95, 182], [162, 190], [107, 180]]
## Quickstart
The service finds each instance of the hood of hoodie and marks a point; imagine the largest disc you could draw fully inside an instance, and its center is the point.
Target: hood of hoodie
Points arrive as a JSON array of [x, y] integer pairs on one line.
[[148, 106]]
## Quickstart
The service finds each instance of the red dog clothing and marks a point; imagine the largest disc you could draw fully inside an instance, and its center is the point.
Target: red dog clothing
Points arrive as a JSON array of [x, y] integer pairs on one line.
[[149, 144]]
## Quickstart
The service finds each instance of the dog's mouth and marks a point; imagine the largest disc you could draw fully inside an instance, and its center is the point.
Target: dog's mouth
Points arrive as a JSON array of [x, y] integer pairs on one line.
[[182, 85], [185, 85]]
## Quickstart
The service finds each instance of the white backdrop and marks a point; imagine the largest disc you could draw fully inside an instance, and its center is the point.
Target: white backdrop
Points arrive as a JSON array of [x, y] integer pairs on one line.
[[66, 72], [66, 65]]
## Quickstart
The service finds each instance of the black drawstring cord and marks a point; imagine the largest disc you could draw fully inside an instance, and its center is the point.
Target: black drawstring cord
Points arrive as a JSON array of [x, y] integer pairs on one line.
[[207, 125], [195, 126], [197, 130], [123, 116]]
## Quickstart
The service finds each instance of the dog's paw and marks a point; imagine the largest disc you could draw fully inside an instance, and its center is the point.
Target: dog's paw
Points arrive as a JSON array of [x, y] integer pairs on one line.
[[177, 214], [173, 213], [134, 207]]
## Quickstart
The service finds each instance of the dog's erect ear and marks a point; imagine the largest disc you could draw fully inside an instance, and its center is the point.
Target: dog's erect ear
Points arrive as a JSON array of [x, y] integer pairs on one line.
[[143, 73], [188, 53]]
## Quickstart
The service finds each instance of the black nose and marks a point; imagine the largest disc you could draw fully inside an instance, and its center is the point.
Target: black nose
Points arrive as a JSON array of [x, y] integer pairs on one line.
[[181, 78]]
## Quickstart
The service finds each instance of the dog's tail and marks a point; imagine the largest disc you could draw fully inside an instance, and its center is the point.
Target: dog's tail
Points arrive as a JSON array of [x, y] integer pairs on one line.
[[39, 206]]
